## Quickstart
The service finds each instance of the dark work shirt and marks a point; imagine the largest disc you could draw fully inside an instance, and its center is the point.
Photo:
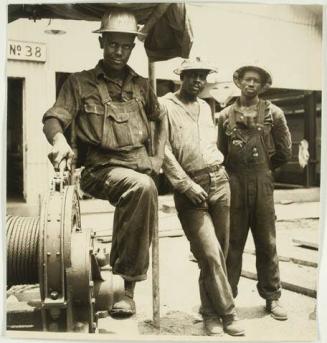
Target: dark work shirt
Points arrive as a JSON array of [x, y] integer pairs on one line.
[[79, 94], [79, 86], [278, 141]]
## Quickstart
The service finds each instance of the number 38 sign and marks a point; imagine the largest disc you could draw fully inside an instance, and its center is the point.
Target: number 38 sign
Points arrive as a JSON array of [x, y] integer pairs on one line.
[[26, 51]]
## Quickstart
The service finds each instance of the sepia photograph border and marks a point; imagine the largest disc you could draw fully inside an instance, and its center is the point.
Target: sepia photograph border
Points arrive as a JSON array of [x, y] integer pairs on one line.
[[322, 278]]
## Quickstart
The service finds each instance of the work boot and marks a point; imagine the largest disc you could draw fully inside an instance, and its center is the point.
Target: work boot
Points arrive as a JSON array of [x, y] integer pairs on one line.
[[123, 308], [276, 310], [212, 326], [232, 326]]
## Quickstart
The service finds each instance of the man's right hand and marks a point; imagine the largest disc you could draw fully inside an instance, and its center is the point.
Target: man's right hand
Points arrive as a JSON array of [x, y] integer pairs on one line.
[[60, 151], [196, 194]]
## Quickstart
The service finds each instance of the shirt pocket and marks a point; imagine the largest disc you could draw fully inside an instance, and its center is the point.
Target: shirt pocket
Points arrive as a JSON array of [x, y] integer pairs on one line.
[[116, 130], [91, 123]]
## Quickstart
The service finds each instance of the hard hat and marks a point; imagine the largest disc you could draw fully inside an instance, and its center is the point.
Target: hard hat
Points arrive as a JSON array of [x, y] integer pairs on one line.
[[195, 64], [265, 74], [118, 20]]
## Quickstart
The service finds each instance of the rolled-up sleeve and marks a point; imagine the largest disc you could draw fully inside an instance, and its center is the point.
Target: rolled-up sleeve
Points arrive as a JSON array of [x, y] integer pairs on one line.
[[178, 178], [282, 139], [65, 108], [180, 181]]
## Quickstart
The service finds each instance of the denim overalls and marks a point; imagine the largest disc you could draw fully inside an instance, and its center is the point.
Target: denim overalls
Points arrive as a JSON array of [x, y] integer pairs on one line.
[[250, 143], [122, 129]]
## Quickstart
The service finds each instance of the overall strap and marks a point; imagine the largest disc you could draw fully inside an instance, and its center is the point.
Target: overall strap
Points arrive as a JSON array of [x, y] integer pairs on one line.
[[103, 91], [136, 91], [261, 111], [232, 117], [137, 96]]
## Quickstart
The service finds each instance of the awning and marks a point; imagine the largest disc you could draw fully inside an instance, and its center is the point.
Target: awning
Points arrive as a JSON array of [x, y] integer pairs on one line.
[[168, 28]]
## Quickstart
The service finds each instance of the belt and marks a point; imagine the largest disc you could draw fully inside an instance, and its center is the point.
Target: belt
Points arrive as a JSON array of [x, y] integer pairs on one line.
[[205, 170]]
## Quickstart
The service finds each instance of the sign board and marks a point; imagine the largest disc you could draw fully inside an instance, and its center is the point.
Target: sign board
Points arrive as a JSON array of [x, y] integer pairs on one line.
[[26, 51]]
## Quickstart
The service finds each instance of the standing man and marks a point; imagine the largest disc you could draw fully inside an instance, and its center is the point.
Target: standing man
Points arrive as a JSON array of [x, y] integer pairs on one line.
[[254, 137], [202, 197], [112, 106]]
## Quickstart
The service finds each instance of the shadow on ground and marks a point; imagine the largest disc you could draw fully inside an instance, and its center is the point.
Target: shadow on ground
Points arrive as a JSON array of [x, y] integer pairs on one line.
[[251, 312], [170, 324]]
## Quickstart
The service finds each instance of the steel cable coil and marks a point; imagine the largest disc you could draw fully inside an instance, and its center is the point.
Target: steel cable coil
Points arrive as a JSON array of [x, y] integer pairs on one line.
[[22, 250]]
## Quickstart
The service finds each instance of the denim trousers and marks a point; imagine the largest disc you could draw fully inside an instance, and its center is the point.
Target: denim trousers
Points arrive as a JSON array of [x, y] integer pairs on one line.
[[135, 197], [207, 228]]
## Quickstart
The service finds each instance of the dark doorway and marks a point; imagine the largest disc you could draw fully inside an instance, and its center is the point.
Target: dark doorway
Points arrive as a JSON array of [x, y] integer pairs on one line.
[[15, 165]]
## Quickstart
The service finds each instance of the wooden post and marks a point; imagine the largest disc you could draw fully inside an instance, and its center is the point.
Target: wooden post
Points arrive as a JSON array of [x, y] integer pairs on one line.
[[73, 145], [310, 136], [155, 238], [152, 76]]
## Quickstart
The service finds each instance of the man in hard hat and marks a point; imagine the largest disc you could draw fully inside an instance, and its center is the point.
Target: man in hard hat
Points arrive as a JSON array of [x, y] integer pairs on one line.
[[112, 107], [193, 165], [254, 137]]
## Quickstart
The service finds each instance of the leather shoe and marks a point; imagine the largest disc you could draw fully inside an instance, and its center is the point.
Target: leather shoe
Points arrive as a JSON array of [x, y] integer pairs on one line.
[[232, 325], [125, 307], [276, 310], [213, 326]]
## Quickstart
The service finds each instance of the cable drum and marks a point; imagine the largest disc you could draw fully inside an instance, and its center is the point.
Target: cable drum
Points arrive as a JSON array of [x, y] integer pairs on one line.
[[22, 250]]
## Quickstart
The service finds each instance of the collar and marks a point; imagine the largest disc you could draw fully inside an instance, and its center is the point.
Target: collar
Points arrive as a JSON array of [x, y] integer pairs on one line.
[[174, 98], [99, 72], [237, 105]]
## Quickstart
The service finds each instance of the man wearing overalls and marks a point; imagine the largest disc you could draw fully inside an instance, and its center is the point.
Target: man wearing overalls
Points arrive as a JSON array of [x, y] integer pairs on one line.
[[193, 164], [254, 137], [112, 106]]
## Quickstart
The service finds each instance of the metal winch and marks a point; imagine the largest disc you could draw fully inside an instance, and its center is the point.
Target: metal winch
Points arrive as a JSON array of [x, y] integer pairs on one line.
[[76, 285]]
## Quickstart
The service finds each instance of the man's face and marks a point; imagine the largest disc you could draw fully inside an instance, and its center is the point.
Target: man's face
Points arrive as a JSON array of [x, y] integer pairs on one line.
[[193, 81], [250, 83], [117, 48]]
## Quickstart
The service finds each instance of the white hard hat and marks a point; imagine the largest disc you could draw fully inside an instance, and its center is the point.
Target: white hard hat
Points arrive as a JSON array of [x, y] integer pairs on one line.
[[118, 20], [195, 64], [266, 76]]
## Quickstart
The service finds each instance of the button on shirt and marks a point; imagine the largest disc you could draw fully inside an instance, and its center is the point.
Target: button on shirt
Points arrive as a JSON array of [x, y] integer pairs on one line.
[[192, 141]]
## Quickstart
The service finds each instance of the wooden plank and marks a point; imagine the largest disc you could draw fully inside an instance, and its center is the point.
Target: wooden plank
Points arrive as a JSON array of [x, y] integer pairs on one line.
[[296, 278], [284, 258], [307, 244], [285, 285], [107, 237]]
